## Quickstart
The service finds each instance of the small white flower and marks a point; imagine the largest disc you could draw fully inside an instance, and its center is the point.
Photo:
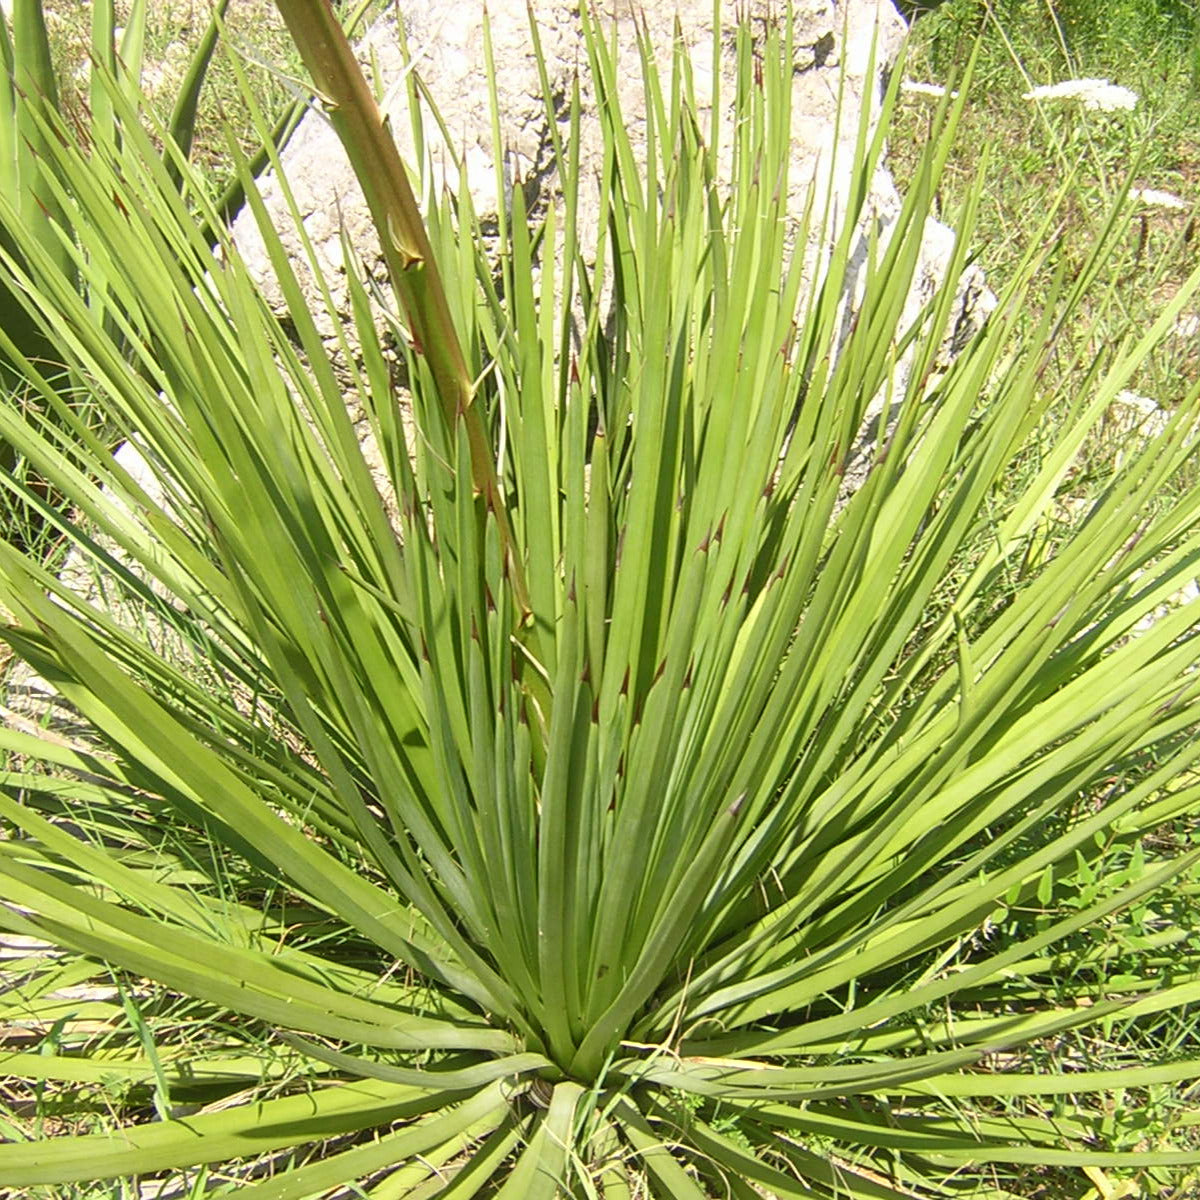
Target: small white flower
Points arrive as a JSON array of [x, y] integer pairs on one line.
[[1132, 419], [1139, 414], [1157, 199], [1097, 94], [1188, 326], [925, 89], [1146, 405]]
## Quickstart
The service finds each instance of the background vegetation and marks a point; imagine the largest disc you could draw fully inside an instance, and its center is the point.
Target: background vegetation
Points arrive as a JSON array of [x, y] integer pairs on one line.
[[1153, 48], [173, 28], [1149, 46]]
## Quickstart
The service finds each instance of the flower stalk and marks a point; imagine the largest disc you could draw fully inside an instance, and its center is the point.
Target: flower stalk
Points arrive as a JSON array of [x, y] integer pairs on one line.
[[340, 85]]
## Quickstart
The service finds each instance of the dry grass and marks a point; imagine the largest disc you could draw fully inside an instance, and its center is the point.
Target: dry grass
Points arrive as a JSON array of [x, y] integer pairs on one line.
[[254, 32]]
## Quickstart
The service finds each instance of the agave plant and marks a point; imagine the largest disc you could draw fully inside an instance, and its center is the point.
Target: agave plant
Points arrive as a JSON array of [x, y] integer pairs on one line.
[[602, 799]]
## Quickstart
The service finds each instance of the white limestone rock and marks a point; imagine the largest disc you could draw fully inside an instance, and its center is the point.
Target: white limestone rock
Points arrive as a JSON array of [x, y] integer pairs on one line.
[[834, 40]]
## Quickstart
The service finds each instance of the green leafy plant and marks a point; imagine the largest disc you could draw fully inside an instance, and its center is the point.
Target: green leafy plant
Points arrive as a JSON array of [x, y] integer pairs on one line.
[[29, 92], [604, 797]]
